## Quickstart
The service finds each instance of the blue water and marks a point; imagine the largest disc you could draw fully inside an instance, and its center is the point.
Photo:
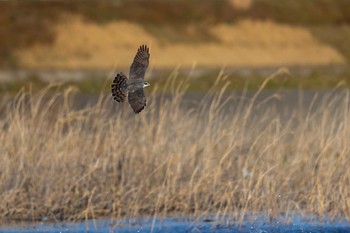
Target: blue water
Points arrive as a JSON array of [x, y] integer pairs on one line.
[[179, 225]]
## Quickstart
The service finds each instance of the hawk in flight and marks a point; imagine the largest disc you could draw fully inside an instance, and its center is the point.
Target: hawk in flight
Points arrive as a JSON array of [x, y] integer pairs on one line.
[[133, 87]]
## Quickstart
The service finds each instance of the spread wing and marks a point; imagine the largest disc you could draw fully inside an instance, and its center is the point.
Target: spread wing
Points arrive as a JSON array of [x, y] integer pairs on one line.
[[137, 100], [139, 65]]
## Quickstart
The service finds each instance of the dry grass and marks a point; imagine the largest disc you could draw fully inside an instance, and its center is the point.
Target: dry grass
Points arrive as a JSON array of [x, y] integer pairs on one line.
[[62, 162], [83, 44], [241, 4], [183, 21]]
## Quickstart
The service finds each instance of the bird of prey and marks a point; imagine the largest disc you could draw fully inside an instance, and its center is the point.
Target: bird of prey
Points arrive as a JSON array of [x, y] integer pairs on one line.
[[133, 87]]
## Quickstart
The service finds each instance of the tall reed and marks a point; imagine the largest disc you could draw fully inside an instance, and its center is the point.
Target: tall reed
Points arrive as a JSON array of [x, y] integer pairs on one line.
[[66, 162]]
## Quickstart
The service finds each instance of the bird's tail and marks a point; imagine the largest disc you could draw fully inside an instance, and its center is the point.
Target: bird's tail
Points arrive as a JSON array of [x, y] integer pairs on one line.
[[119, 87]]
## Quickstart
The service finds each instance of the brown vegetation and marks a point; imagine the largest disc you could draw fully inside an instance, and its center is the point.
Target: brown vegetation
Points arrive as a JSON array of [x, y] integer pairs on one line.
[[81, 44], [62, 162], [29, 25]]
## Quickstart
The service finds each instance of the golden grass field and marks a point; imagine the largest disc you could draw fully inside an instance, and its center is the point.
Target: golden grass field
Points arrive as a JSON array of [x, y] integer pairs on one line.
[[81, 44], [100, 35], [65, 163]]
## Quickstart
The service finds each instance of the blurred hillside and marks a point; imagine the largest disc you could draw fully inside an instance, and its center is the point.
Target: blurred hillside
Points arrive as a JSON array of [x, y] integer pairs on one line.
[[105, 34]]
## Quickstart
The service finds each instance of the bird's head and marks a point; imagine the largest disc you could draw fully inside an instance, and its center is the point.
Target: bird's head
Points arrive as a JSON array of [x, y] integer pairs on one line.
[[146, 84]]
